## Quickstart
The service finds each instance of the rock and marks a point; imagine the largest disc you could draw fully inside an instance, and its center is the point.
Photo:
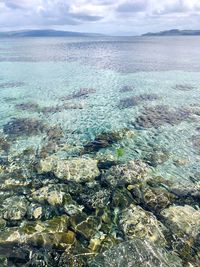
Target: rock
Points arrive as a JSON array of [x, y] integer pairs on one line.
[[24, 126], [184, 223], [184, 87], [157, 157], [160, 115], [185, 219], [2, 224], [85, 225], [14, 208], [35, 211], [154, 199], [4, 144], [135, 253], [130, 173], [60, 108], [127, 88], [11, 85], [52, 233], [76, 169], [27, 106], [95, 198], [121, 198], [138, 223], [104, 140], [52, 194], [136, 100], [83, 92]]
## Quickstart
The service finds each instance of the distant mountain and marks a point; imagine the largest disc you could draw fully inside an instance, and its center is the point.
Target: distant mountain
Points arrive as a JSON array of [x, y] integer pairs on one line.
[[46, 33], [174, 32]]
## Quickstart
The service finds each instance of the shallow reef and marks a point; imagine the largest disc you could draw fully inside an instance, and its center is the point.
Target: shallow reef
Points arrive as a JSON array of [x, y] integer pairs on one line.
[[83, 92], [91, 210], [184, 87], [160, 115], [24, 126], [29, 106], [127, 88], [106, 139], [11, 85], [136, 100]]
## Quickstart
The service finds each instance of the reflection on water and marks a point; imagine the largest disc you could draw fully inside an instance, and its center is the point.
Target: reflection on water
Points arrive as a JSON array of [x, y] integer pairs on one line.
[[99, 144]]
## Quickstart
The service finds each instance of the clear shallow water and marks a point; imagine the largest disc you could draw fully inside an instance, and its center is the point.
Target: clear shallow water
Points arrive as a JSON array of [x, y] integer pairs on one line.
[[53, 68], [148, 89]]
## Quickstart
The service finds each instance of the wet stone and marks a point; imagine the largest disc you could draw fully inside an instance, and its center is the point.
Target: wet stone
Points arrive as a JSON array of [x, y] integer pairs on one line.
[[136, 100], [76, 169], [131, 173], [24, 126], [184, 222], [52, 233], [14, 208], [52, 194], [135, 253], [138, 223], [85, 225], [94, 198]]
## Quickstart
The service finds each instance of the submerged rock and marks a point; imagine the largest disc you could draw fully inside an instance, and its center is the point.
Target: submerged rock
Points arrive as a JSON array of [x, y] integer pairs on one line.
[[52, 233], [196, 143], [14, 208], [184, 222], [52, 194], [95, 198], [136, 100], [127, 88], [83, 92], [156, 157], [136, 253], [75, 169], [85, 225], [184, 87], [11, 85], [24, 126], [27, 106], [60, 108], [160, 115], [104, 140], [126, 174], [138, 223], [4, 144]]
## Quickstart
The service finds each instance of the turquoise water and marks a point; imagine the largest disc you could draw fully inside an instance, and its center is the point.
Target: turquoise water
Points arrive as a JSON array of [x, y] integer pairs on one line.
[[146, 87], [46, 83]]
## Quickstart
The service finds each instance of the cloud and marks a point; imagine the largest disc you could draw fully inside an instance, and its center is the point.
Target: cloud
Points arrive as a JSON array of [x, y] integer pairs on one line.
[[105, 16], [133, 6]]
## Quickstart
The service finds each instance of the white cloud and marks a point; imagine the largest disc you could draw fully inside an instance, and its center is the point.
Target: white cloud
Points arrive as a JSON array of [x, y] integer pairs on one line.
[[100, 15]]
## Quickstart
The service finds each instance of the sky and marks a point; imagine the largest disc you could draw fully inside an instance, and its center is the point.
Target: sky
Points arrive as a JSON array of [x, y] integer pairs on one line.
[[117, 17]]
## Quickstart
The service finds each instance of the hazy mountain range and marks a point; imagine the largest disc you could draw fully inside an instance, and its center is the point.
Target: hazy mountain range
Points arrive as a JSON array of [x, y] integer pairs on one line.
[[174, 32], [46, 33]]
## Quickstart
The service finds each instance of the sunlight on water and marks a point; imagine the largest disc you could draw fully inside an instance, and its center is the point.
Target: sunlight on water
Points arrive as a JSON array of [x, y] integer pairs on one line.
[[78, 102]]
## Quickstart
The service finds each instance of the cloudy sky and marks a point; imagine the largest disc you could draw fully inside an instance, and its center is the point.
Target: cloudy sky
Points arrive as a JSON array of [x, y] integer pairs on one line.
[[102, 16]]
